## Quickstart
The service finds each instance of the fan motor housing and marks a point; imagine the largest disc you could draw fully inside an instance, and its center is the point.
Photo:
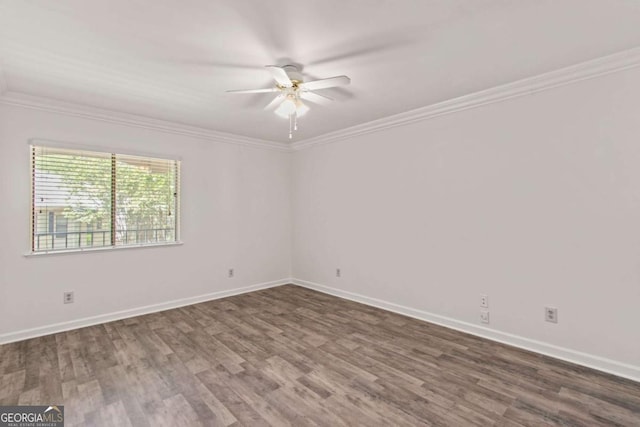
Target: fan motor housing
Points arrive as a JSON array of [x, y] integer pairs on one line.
[[294, 75]]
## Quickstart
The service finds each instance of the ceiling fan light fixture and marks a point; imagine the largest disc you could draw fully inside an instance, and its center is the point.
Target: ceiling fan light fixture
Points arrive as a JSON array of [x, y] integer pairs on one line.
[[301, 109], [287, 108], [291, 86]]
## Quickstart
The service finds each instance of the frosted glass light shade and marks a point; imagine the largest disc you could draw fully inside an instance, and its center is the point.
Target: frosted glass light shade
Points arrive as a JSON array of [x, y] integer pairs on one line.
[[287, 108], [301, 109]]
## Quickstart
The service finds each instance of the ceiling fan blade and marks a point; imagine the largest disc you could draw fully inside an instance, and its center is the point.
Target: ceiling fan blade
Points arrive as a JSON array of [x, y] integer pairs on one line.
[[316, 98], [279, 75], [268, 90], [273, 103], [326, 83]]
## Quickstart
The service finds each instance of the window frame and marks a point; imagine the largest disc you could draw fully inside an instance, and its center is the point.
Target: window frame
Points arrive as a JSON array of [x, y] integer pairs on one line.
[[41, 143]]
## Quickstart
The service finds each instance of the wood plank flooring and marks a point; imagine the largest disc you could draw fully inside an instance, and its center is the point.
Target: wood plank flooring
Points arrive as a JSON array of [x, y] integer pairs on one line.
[[290, 356]]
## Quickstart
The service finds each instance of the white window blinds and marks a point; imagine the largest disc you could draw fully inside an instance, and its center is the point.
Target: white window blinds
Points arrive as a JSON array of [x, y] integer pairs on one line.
[[86, 199]]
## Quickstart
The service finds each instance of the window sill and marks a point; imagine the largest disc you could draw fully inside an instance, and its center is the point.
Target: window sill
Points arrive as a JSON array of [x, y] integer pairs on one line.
[[101, 249]]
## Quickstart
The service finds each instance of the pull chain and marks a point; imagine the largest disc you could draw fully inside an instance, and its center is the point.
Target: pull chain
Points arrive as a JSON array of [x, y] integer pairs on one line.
[[290, 121], [295, 121]]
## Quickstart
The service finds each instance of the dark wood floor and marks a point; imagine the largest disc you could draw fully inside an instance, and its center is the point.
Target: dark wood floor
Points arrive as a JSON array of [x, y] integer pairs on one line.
[[291, 356]]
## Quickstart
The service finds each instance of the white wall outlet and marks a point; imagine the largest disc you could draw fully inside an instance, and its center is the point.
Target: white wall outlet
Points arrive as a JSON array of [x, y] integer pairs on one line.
[[551, 314], [67, 297], [484, 301], [231, 273], [484, 316], [338, 272]]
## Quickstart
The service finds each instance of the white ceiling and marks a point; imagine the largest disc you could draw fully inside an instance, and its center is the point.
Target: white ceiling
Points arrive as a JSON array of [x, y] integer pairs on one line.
[[173, 60]]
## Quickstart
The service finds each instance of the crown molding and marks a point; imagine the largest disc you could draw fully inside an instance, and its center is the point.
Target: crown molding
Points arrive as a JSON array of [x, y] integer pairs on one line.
[[586, 70], [54, 106], [564, 76]]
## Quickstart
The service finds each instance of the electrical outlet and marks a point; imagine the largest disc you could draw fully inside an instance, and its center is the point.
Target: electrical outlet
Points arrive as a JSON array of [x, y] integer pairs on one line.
[[231, 273], [484, 301], [484, 316], [338, 272], [67, 297], [551, 314]]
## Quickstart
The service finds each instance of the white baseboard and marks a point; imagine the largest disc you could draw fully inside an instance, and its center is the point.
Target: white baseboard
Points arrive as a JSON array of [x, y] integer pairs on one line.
[[119, 315], [591, 361]]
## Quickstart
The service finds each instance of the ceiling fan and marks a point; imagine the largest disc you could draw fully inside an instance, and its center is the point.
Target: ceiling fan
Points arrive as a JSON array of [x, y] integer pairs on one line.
[[291, 90]]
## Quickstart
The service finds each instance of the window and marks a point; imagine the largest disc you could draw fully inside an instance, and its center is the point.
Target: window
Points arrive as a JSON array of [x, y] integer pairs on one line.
[[61, 224], [100, 199], [51, 216]]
